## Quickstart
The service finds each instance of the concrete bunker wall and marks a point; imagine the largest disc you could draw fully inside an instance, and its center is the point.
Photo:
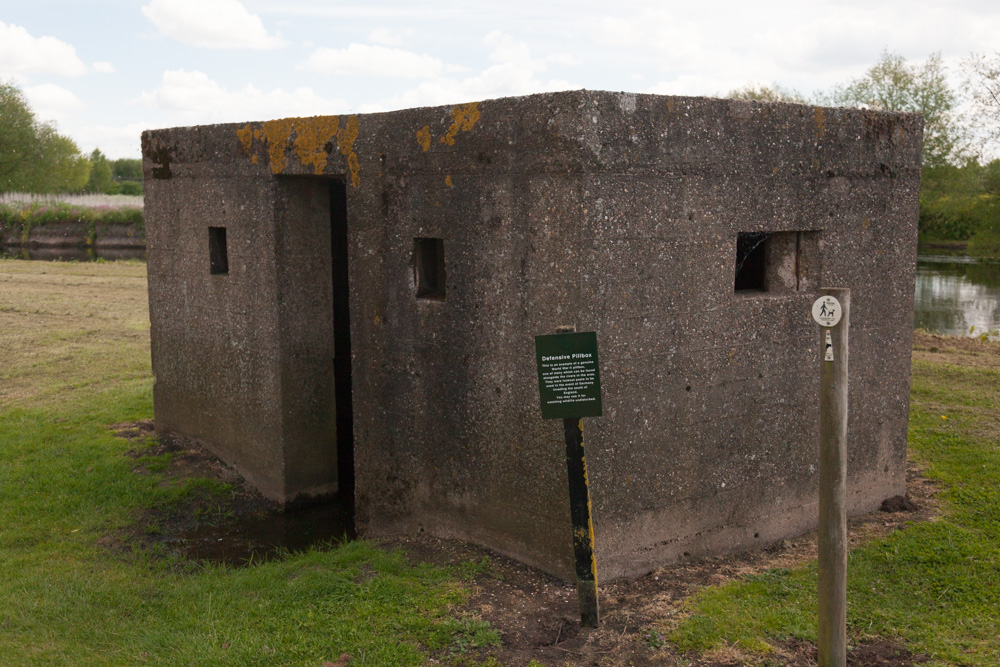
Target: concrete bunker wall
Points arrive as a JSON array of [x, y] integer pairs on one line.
[[616, 213], [240, 354]]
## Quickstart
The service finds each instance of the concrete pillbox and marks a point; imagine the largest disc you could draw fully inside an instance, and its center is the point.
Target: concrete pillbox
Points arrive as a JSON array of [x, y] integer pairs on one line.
[[385, 276]]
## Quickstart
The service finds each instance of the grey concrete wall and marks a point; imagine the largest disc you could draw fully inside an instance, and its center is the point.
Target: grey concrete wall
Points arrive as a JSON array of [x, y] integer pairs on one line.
[[709, 439], [215, 338], [305, 322], [616, 213]]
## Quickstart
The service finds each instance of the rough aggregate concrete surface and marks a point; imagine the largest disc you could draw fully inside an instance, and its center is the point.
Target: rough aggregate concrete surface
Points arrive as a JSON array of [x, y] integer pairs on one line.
[[613, 212]]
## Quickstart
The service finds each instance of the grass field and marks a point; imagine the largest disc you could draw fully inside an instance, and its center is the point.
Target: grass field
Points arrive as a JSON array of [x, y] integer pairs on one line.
[[75, 349], [935, 585]]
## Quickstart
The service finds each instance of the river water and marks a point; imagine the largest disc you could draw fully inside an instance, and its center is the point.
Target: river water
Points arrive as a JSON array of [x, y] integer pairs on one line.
[[959, 296]]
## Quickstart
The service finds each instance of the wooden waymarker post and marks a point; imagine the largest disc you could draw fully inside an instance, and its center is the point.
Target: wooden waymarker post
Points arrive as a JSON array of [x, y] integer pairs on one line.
[[832, 312], [569, 385]]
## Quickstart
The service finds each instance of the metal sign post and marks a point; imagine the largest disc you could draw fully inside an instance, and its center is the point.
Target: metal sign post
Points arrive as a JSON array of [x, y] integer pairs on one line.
[[569, 385], [832, 312]]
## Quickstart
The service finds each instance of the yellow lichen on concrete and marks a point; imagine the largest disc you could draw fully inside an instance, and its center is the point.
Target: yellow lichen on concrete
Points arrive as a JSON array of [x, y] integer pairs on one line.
[[245, 135], [311, 137], [819, 118], [308, 137], [355, 167], [463, 118], [447, 180], [276, 135], [346, 136], [424, 137]]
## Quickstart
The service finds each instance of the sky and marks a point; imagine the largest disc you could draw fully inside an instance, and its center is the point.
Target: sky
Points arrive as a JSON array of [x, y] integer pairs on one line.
[[105, 70]]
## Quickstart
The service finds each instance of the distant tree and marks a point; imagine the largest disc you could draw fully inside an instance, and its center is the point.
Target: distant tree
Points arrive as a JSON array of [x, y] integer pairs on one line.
[[100, 173], [764, 93], [892, 84], [17, 136], [982, 80], [991, 177], [34, 157], [62, 167], [127, 169]]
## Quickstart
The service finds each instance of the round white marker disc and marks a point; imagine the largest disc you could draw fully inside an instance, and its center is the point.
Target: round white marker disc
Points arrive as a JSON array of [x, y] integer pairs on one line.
[[827, 311]]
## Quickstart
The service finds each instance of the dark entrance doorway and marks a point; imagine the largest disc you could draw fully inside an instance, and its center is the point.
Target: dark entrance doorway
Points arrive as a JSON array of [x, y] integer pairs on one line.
[[343, 399]]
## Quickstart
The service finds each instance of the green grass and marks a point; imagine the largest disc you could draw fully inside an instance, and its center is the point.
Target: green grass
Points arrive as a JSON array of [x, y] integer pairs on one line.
[[935, 585], [74, 339], [74, 345]]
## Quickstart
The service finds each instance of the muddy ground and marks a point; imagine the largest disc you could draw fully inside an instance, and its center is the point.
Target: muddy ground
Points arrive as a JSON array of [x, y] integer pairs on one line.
[[536, 614], [538, 618]]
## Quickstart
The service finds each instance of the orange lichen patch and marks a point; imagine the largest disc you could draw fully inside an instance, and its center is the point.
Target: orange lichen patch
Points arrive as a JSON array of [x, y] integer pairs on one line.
[[348, 135], [276, 135], [447, 180], [245, 135], [424, 137], [819, 118], [463, 118], [311, 137], [354, 166]]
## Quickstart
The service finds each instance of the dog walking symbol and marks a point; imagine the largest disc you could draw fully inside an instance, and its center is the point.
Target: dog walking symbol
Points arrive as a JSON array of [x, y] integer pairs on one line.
[[827, 312]]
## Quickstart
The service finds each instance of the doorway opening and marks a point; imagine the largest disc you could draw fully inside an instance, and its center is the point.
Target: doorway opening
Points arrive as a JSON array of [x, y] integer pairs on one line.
[[343, 397]]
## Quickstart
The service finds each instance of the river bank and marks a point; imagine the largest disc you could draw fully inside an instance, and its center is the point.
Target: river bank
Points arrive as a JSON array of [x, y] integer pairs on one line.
[[41, 226]]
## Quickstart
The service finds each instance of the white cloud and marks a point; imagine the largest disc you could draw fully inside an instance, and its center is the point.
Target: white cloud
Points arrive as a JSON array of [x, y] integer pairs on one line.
[[115, 141], [103, 67], [193, 97], [385, 37], [213, 24], [514, 72], [564, 59], [52, 103], [21, 53], [366, 60], [701, 49]]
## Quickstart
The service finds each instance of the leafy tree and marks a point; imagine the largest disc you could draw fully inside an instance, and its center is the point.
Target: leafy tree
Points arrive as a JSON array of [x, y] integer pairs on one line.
[[991, 177], [982, 80], [61, 168], [892, 84], [100, 172], [33, 156], [17, 135], [773, 93], [127, 169]]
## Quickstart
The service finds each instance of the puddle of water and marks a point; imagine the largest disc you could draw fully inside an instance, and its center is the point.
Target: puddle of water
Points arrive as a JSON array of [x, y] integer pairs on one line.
[[253, 539], [72, 254]]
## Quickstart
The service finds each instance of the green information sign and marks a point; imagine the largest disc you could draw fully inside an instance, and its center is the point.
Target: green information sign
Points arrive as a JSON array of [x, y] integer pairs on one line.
[[569, 380]]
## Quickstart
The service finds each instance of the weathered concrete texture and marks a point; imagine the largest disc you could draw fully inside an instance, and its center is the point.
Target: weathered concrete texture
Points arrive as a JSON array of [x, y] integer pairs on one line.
[[615, 213]]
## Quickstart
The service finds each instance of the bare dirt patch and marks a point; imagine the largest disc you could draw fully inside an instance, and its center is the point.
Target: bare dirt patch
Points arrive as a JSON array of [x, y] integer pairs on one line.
[[187, 458], [229, 522], [956, 350], [536, 614], [538, 618]]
